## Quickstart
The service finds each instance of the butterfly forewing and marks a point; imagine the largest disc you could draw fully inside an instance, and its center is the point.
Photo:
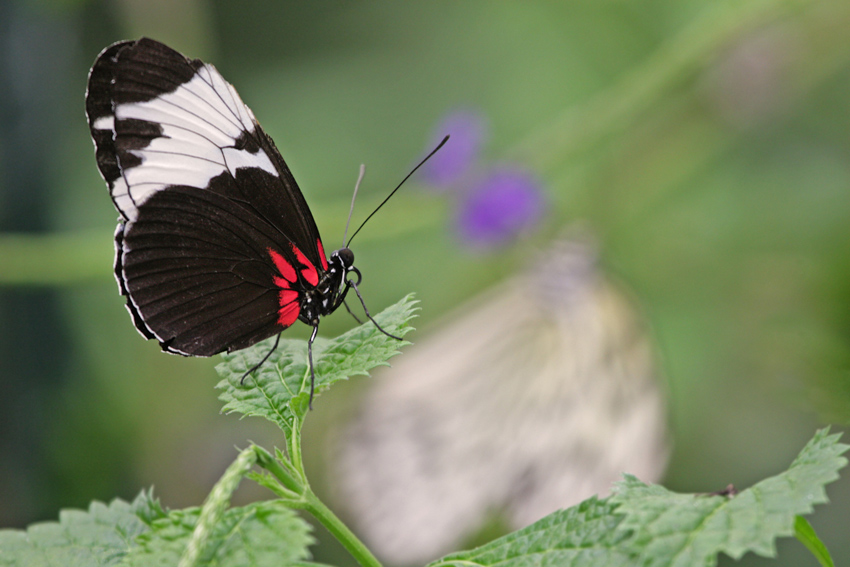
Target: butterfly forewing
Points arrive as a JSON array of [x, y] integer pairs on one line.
[[216, 244]]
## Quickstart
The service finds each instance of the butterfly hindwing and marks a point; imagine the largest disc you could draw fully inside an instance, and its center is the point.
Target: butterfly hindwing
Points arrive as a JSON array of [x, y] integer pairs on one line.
[[215, 238], [198, 272]]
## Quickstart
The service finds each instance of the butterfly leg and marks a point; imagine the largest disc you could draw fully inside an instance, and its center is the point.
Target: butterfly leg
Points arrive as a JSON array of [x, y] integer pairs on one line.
[[350, 312], [263, 361], [310, 357], [353, 284]]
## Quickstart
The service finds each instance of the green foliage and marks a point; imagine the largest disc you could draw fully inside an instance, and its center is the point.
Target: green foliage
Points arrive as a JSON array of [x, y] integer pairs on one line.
[[280, 390], [638, 525], [583, 535], [263, 533], [142, 533], [100, 536], [684, 529], [652, 526]]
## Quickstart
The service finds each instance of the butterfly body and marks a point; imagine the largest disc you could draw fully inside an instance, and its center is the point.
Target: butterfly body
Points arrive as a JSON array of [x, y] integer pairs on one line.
[[331, 288], [216, 248]]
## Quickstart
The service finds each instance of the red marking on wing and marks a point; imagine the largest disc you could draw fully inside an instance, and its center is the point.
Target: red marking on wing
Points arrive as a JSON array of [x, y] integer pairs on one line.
[[284, 267], [290, 307], [287, 296], [322, 254], [309, 271], [288, 314]]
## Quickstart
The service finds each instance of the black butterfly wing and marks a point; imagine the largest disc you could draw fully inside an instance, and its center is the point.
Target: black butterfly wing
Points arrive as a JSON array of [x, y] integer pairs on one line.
[[216, 243], [197, 275]]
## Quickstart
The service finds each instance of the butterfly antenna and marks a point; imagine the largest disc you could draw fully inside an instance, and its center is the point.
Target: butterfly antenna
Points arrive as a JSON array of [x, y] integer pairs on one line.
[[353, 198], [412, 171]]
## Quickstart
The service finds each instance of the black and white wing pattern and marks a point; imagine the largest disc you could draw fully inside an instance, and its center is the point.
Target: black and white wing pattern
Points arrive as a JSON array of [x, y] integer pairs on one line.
[[216, 246]]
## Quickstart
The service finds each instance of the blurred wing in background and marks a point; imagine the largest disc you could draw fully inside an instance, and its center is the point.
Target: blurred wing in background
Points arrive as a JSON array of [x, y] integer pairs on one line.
[[534, 397]]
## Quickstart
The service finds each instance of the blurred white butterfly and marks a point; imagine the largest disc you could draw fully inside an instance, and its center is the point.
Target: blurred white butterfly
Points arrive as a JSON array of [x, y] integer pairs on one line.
[[534, 396]]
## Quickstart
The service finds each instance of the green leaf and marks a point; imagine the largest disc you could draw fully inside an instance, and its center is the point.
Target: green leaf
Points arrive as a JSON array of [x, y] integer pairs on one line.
[[651, 526], [807, 536], [686, 529], [103, 535], [143, 534], [264, 533], [279, 391], [584, 535]]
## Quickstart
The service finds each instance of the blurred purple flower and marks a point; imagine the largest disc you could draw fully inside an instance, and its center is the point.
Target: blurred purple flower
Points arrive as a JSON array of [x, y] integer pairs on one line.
[[467, 129], [494, 204], [506, 202]]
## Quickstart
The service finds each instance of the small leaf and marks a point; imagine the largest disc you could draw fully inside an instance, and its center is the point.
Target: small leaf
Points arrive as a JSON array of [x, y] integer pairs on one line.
[[101, 536], [280, 389], [215, 506], [260, 534], [686, 529], [807, 536], [584, 535]]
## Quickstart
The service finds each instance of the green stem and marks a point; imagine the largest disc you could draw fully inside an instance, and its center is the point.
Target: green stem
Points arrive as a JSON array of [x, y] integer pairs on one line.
[[340, 531], [282, 473], [295, 447], [308, 501]]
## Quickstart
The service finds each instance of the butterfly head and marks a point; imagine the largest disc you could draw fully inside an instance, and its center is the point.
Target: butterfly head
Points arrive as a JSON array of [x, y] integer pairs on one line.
[[344, 258]]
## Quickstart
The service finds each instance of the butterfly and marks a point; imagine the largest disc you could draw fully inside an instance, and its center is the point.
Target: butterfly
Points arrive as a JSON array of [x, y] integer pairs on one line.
[[215, 248], [484, 421]]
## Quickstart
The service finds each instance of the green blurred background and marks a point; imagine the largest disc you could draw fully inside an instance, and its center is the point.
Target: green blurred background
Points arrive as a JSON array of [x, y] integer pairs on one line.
[[706, 144]]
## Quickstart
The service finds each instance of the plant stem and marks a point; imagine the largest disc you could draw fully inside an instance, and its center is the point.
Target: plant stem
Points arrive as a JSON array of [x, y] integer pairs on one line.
[[295, 447], [308, 501], [340, 531], [283, 474]]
